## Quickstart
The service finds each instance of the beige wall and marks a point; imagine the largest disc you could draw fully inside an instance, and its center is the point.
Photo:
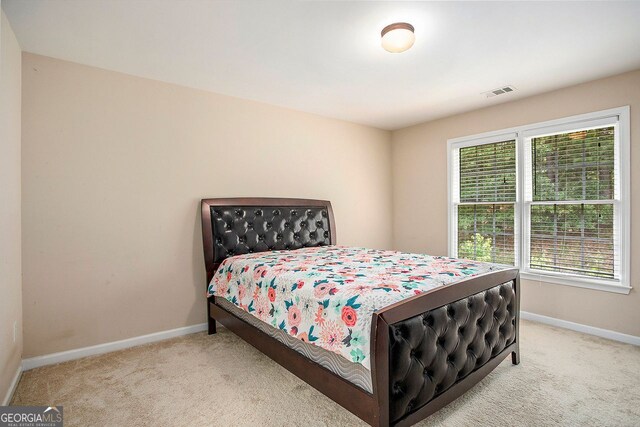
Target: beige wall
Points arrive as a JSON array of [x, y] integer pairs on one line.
[[10, 254], [113, 170], [419, 160]]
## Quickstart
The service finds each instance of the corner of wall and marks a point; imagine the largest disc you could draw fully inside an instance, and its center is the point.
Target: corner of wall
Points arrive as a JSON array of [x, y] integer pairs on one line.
[[10, 211]]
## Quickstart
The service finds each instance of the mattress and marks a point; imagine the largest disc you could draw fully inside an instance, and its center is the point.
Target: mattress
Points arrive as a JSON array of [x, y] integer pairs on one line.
[[325, 296], [355, 373]]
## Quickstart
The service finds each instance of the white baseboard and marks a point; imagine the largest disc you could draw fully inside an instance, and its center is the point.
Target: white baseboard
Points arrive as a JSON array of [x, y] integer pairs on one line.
[[12, 386], [51, 359], [591, 330]]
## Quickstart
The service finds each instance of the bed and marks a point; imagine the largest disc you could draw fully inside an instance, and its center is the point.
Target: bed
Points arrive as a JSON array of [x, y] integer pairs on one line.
[[398, 357]]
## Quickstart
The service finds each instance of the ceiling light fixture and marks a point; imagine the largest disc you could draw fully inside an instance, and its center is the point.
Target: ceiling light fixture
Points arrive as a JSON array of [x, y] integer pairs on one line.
[[398, 37]]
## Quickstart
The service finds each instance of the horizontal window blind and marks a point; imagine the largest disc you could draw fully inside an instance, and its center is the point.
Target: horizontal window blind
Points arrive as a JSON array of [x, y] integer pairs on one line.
[[574, 166], [572, 208], [577, 239], [488, 172], [486, 208]]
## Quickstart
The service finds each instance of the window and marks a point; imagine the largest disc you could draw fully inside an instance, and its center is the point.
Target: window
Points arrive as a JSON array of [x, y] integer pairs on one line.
[[550, 198]]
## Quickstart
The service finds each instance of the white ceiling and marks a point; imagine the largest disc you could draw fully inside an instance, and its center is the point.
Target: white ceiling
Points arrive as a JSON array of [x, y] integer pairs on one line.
[[325, 57]]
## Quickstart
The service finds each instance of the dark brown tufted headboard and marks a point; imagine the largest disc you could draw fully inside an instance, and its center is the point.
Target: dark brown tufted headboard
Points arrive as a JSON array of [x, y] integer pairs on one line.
[[237, 226]]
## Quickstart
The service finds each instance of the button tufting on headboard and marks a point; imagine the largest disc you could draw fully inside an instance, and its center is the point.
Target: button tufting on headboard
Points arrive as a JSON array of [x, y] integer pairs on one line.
[[247, 225], [241, 230]]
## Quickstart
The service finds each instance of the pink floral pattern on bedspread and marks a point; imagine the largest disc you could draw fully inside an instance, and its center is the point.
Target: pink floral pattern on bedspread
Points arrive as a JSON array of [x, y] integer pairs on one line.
[[326, 295]]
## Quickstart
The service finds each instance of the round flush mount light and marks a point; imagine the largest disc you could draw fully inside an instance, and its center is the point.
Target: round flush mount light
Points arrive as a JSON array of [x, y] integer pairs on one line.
[[398, 37]]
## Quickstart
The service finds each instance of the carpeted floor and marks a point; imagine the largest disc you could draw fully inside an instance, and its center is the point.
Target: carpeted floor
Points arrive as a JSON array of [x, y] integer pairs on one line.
[[565, 378]]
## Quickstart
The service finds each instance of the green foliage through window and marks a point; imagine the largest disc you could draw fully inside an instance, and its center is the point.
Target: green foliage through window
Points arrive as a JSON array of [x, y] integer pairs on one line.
[[576, 238], [488, 172], [486, 233], [574, 166]]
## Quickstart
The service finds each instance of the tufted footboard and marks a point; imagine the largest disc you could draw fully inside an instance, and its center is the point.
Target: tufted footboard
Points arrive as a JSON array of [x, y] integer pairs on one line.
[[437, 352]]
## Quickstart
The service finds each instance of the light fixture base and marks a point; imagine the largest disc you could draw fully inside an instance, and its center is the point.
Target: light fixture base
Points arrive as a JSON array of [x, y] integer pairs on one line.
[[397, 26]]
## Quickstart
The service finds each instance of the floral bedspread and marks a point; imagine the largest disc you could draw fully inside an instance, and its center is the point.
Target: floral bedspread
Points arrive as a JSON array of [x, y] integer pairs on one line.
[[326, 295]]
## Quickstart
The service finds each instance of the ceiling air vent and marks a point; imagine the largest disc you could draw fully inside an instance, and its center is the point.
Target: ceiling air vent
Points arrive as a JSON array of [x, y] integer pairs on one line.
[[499, 91]]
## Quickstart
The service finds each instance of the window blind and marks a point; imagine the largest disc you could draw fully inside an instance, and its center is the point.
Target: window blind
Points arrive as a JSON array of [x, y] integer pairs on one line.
[[575, 238], [574, 166], [488, 172], [572, 209], [486, 208]]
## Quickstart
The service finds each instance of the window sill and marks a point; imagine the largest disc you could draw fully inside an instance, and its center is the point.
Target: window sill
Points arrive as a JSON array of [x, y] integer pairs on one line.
[[598, 285]]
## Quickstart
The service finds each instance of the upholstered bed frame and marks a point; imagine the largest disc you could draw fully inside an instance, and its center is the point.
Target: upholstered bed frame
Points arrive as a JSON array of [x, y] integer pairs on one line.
[[426, 350]]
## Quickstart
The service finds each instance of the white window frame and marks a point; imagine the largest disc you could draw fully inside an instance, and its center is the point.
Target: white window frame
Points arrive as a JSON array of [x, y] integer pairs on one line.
[[522, 136]]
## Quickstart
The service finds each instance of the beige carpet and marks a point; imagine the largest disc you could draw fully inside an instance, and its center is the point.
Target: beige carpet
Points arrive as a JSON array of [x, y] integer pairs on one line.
[[565, 378]]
